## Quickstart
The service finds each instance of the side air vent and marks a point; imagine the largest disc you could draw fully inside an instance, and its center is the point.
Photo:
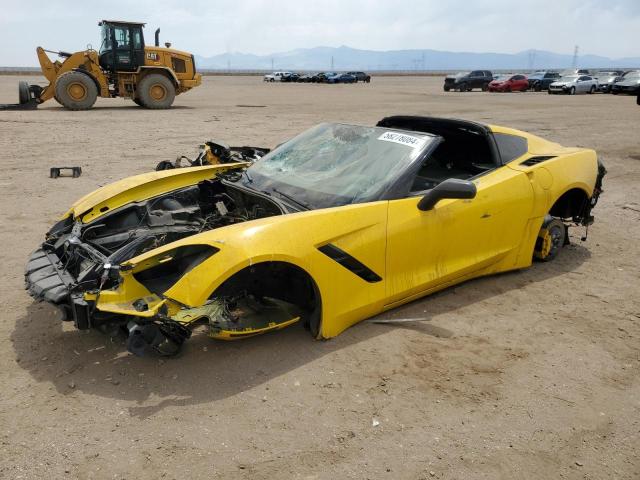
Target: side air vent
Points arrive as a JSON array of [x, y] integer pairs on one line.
[[350, 263], [530, 162]]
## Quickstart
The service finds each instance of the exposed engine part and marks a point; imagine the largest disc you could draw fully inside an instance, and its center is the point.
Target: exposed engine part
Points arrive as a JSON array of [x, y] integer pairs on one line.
[[214, 153], [241, 316], [91, 253], [163, 338]]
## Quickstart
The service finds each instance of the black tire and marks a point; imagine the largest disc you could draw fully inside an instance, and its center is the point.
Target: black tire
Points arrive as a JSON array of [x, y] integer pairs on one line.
[[592, 90], [156, 91], [463, 87], [572, 91], [551, 239], [537, 86], [485, 87], [23, 92], [76, 91], [549, 91]]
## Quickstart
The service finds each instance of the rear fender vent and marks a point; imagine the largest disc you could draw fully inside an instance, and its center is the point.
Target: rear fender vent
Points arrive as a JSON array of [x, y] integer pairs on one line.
[[530, 162]]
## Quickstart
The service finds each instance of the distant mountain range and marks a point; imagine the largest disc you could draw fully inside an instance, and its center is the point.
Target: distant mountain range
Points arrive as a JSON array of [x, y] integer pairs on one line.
[[346, 58]]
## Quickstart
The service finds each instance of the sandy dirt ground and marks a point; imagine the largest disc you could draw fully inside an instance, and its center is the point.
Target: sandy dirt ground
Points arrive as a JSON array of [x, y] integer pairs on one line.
[[530, 374]]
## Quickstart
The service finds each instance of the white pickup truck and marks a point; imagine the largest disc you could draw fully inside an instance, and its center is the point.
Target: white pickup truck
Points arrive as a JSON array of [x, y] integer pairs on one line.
[[276, 76]]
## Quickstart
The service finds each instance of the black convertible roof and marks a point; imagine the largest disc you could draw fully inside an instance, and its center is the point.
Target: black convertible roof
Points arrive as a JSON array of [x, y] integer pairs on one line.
[[431, 124]]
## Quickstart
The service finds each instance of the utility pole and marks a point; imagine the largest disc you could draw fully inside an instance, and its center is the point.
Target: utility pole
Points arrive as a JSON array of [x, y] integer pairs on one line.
[[575, 57]]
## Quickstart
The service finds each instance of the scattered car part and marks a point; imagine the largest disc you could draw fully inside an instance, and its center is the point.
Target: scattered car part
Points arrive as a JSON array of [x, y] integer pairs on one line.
[[55, 172], [214, 153], [334, 226]]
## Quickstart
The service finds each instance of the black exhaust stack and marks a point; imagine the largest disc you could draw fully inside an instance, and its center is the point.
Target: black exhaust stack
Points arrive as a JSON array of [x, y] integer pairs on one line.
[[157, 37]]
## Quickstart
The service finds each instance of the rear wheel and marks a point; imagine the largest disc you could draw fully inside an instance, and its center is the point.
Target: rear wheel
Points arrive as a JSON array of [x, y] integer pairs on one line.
[[156, 91], [23, 92], [485, 87], [463, 87], [550, 239], [446, 89], [76, 91], [137, 101], [537, 87]]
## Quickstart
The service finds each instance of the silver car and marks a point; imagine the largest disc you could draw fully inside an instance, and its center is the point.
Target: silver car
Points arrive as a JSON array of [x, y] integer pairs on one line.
[[573, 84], [606, 79]]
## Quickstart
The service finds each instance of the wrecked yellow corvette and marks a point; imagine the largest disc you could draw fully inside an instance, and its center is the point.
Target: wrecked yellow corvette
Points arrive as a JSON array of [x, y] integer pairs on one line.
[[336, 225]]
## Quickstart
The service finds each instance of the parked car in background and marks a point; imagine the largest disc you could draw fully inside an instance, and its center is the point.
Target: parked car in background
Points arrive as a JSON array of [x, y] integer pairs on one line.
[[306, 78], [574, 71], [341, 78], [573, 84], [275, 76], [322, 77], [509, 83], [607, 79], [361, 76], [290, 77], [629, 84], [539, 81], [467, 81]]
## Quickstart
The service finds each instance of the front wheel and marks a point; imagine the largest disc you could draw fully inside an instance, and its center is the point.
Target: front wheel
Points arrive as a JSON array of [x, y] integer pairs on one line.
[[572, 91], [463, 87], [156, 91], [76, 91], [537, 87], [551, 239], [592, 90], [446, 89], [485, 87]]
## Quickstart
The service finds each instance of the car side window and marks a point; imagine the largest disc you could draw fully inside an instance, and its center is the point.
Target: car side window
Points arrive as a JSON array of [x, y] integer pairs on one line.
[[510, 146], [475, 74]]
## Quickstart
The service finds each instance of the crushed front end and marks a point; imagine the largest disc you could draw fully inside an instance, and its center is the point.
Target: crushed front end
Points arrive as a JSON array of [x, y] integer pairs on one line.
[[83, 268]]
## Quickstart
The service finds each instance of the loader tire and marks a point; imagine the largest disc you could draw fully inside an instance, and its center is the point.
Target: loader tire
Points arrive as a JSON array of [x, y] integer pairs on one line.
[[76, 91], [156, 91], [137, 101], [23, 92]]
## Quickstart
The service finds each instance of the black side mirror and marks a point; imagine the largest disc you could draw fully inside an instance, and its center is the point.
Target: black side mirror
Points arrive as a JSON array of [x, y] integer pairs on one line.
[[450, 188]]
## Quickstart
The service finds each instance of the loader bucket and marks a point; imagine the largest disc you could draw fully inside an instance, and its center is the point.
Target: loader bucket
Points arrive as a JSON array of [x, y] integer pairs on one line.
[[28, 96]]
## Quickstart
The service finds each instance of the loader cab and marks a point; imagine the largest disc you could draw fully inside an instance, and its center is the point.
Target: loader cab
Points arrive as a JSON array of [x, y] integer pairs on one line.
[[121, 46]]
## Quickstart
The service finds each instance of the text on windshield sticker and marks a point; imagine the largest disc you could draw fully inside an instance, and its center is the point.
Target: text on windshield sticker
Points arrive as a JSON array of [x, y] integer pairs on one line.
[[402, 139]]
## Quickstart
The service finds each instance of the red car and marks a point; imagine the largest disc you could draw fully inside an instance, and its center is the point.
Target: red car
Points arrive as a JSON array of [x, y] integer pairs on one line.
[[509, 83]]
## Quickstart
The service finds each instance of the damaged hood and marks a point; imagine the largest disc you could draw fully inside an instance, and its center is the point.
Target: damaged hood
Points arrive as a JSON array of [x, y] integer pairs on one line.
[[141, 187]]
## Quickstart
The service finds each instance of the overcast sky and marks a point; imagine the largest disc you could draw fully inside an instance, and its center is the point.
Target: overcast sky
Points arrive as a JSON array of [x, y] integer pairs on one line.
[[207, 27]]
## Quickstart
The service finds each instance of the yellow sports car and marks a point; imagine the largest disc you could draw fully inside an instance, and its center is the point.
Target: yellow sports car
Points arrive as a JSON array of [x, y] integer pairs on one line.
[[338, 224]]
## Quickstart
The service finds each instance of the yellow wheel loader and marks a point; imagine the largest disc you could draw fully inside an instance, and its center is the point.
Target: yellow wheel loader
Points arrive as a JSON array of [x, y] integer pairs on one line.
[[124, 67]]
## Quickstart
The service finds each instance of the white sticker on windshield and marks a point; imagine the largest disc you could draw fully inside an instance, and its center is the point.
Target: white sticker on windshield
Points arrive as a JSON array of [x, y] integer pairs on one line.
[[403, 139]]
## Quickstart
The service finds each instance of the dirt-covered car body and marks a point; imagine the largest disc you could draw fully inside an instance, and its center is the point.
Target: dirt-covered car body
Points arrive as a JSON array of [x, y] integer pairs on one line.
[[334, 226]]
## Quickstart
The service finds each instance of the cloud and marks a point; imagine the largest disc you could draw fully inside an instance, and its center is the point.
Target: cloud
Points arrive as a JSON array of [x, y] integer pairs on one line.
[[603, 27]]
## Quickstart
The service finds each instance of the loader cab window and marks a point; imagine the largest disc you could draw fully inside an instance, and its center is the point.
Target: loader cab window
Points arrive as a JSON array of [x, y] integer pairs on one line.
[[122, 47], [121, 38]]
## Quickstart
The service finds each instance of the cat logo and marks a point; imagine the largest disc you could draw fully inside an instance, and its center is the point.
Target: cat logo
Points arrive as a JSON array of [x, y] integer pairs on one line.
[[152, 56]]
